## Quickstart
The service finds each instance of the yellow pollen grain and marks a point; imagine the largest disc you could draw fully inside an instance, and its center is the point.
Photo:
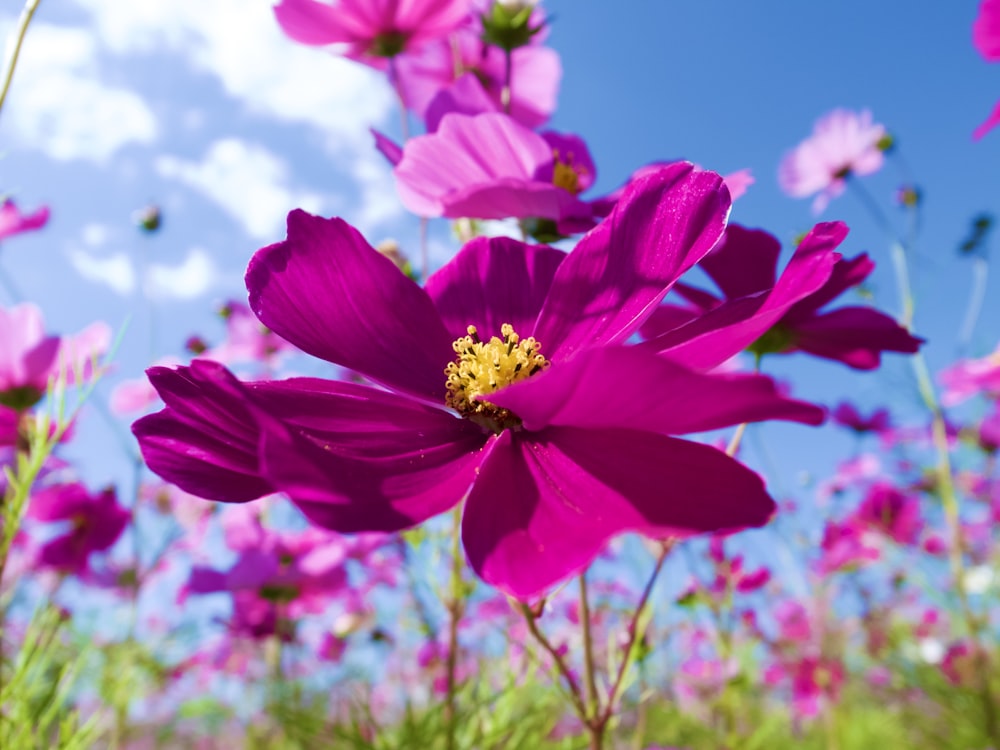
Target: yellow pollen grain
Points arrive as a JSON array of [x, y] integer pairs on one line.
[[482, 367]]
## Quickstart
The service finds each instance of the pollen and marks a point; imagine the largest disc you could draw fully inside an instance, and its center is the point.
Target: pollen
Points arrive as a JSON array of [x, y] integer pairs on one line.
[[566, 174], [482, 367]]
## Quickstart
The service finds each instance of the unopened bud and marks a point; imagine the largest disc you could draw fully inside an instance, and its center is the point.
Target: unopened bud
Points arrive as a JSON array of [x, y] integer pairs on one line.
[[507, 24], [148, 219]]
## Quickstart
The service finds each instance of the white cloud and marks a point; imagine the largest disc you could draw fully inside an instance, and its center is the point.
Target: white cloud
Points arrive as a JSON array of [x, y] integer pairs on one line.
[[249, 182], [115, 271], [195, 276], [241, 45], [58, 103]]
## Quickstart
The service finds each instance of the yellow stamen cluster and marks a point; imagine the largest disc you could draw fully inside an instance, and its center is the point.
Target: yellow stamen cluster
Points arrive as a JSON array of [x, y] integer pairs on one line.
[[483, 367], [566, 174]]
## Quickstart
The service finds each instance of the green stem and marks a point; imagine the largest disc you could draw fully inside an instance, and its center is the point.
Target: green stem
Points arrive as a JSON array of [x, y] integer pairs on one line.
[[455, 606], [576, 696], [590, 673], [22, 28], [618, 685]]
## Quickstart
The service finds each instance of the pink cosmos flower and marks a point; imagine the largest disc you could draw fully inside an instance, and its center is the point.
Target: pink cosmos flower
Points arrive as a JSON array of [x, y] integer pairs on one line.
[[12, 221], [29, 357], [986, 39], [772, 315], [370, 30], [890, 512], [845, 547], [813, 680], [971, 377], [96, 522], [843, 143], [490, 167], [553, 456]]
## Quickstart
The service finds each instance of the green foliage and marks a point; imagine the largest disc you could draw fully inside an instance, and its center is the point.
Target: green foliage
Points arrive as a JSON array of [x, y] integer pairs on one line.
[[37, 691]]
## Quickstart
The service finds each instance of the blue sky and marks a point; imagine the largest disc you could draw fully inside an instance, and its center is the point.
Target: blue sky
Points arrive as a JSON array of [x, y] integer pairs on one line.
[[203, 107]]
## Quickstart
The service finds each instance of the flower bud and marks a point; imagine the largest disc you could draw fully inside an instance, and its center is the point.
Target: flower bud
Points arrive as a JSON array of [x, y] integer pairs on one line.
[[508, 24]]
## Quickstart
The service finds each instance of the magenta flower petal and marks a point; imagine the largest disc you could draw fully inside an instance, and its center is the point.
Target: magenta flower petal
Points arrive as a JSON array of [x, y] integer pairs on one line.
[[12, 221], [991, 122], [327, 291], [598, 389], [358, 421], [205, 440], [464, 153], [394, 491], [749, 268], [391, 150], [735, 325], [311, 22], [491, 282], [855, 336], [617, 274], [846, 275], [545, 504], [465, 95], [986, 30]]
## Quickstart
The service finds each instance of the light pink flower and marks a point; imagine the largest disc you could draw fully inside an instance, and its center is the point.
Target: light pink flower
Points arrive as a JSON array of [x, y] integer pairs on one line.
[[843, 143], [370, 29]]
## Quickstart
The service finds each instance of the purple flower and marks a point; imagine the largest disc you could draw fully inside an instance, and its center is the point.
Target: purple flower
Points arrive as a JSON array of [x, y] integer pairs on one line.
[[773, 315], [843, 143], [490, 167], [566, 436], [96, 522], [370, 29]]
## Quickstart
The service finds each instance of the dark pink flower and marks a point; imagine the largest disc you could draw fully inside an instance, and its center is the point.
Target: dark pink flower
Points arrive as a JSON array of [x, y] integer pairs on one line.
[[555, 454], [843, 144], [986, 39], [890, 512], [370, 29], [844, 547], [847, 415], [12, 221], [772, 315], [96, 522], [489, 166]]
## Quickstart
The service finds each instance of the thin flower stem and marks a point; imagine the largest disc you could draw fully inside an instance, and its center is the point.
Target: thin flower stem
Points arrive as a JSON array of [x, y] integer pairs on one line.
[[980, 275], [576, 696], [455, 606], [737, 438], [633, 634], [590, 673], [22, 28]]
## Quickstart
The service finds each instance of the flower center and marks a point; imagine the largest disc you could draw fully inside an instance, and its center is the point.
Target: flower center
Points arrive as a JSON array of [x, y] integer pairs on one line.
[[566, 174], [483, 367]]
